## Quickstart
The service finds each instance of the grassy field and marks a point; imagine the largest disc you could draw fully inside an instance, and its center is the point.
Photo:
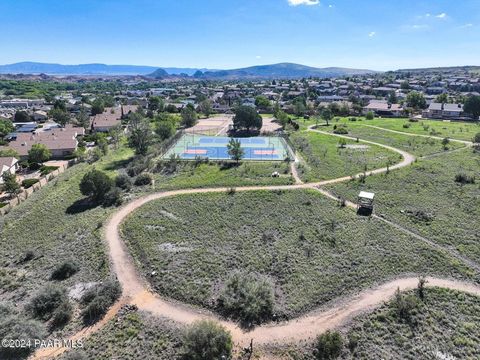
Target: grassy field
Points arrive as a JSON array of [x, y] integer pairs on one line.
[[326, 160], [425, 198], [55, 225], [445, 322], [454, 129], [418, 146], [189, 175], [312, 250], [129, 336]]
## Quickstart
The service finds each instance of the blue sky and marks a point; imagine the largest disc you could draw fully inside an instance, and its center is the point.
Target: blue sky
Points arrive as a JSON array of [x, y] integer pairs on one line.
[[373, 34]]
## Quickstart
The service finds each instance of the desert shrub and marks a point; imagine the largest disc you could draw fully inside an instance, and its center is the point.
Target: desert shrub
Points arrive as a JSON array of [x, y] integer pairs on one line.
[[113, 197], [247, 297], [143, 179], [98, 299], [137, 166], [123, 182], [15, 326], [476, 138], [328, 345], [75, 355], [463, 178], [404, 306], [46, 301], [29, 183], [62, 314], [340, 130], [421, 215], [206, 340], [65, 270], [27, 256]]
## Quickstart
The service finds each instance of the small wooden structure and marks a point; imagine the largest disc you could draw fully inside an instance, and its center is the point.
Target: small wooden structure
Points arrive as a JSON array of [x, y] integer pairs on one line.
[[365, 200]]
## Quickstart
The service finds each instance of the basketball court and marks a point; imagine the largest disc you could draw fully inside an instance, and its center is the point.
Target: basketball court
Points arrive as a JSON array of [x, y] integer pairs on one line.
[[190, 146]]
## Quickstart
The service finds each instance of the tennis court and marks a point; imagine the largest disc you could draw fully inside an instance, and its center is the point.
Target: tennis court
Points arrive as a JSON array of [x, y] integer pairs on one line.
[[191, 146]]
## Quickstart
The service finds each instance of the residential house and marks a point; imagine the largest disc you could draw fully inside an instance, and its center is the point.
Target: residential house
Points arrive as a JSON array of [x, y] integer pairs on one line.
[[384, 108], [444, 111], [8, 164], [62, 142]]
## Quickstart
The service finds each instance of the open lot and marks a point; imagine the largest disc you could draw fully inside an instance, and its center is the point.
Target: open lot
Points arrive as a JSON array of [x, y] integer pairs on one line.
[[452, 129], [312, 250], [444, 326], [325, 159], [426, 198], [418, 146]]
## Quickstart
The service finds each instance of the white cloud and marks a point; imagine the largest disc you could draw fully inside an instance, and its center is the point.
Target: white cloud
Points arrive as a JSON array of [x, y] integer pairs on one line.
[[466, 26], [441, 16], [303, 2], [258, 57], [372, 34]]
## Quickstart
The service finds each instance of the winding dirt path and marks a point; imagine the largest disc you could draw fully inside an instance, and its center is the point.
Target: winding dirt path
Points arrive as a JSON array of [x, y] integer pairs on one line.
[[136, 290]]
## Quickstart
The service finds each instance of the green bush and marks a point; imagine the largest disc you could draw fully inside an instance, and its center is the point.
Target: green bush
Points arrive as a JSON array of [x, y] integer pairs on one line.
[[29, 183], [247, 297], [98, 299], [65, 270], [341, 129], [206, 340], [45, 170], [15, 326], [113, 198], [46, 301], [123, 182], [143, 179], [463, 178], [370, 115], [328, 345], [62, 314]]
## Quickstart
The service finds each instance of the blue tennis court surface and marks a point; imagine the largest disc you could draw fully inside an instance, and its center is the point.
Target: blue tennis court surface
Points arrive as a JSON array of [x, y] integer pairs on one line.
[[190, 146]]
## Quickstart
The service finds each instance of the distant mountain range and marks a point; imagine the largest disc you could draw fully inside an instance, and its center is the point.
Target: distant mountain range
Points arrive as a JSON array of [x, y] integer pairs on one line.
[[283, 70], [88, 69]]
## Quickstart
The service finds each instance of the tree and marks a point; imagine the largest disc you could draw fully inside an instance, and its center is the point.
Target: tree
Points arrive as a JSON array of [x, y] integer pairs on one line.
[[165, 129], [97, 107], [83, 119], [326, 115], [207, 340], [235, 150], [445, 142], [60, 105], [206, 107], [442, 98], [95, 184], [328, 345], [247, 117], [39, 153], [282, 118], [189, 116], [155, 103], [392, 98], [6, 126], [262, 102], [61, 117], [472, 106], [299, 106], [10, 185], [21, 116], [370, 115], [476, 138], [416, 100], [140, 133]]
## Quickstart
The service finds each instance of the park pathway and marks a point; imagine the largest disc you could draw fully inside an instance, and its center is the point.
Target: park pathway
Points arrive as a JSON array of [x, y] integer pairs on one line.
[[136, 291]]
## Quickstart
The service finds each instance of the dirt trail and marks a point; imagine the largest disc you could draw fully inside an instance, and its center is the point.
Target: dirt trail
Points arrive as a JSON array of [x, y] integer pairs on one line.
[[469, 143], [136, 290]]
